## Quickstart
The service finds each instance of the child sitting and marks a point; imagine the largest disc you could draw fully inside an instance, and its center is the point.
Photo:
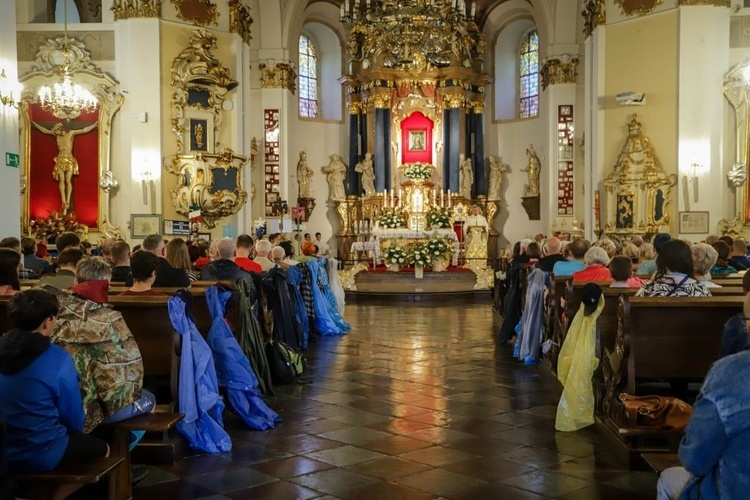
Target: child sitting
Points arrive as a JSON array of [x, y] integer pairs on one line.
[[621, 268], [40, 397]]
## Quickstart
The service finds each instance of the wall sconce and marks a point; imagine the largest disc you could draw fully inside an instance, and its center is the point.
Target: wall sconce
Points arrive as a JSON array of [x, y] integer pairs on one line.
[[696, 168], [147, 183], [10, 91]]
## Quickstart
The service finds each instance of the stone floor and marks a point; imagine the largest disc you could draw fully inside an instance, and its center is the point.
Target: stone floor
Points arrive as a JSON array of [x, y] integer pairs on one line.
[[417, 401]]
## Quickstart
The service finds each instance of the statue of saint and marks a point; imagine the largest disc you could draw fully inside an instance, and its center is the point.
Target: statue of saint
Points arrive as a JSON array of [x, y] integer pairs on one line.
[[467, 175], [476, 230], [66, 165], [336, 175], [368, 174], [304, 176], [533, 168], [496, 178]]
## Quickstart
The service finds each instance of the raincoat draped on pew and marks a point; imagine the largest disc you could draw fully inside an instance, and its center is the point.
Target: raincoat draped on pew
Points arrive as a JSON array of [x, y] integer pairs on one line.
[[325, 323], [233, 368], [294, 278], [199, 398], [575, 368], [530, 338], [281, 304], [333, 308], [251, 335]]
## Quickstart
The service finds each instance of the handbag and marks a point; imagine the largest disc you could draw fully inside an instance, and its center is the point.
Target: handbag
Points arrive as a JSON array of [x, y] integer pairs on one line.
[[657, 412]]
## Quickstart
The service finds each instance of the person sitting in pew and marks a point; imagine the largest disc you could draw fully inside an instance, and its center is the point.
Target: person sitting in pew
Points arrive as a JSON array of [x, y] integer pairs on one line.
[[224, 268], [704, 258], [120, 252], [621, 268], [674, 274], [738, 257], [9, 263], [30, 260], [66, 268], [724, 266], [39, 391], [166, 275], [648, 266], [577, 249], [14, 244], [596, 260], [714, 450], [105, 351], [734, 335], [143, 267]]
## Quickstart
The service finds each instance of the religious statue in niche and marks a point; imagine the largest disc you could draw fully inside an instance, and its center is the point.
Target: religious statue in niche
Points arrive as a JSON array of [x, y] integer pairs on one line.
[[467, 175], [368, 174], [496, 178], [304, 176], [533, 169], [66, 165], [336, 175], [475, 235]]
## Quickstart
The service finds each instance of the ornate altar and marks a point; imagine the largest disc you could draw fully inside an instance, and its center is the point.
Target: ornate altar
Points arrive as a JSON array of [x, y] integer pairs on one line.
[[638, 190], [66, 160], [737, 92], [208, 180]]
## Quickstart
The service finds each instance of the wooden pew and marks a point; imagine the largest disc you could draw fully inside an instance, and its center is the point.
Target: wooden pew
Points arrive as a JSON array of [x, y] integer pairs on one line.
[[43, 484], [658, 338]]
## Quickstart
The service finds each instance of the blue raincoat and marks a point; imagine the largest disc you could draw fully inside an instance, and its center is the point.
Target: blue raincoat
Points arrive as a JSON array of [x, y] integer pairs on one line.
[[324, 322], [294, 277], [233, 369], [199, 390], [333, 307], [530, 338]]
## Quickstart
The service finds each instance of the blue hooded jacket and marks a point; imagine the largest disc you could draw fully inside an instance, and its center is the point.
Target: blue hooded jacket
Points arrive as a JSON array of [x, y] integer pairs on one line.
[[199, 390], [233, 369]]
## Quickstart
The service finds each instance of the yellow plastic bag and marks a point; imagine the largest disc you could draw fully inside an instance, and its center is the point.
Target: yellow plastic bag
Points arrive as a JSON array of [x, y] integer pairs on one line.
[[575, 367]]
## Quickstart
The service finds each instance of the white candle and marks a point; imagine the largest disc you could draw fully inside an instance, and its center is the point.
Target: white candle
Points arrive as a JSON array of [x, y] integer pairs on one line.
[[342, 10], [473, 9], [400, 198], [442, 198], [392, 198], [449, 198]]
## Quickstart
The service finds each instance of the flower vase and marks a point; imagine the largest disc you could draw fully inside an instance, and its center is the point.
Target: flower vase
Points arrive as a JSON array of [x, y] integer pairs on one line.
[[394, 268], [419, 272], [437, 266]]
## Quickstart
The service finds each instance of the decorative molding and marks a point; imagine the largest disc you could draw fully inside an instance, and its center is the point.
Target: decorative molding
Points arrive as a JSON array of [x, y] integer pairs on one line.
[[197, 12], [453, 101], [594, 14], [714, 3], [477, 107], [108, 182], [99, 44], [732, 227], [380, 101], [125, 9], [355, 107], [559, 71], [240, 20], [637, 7], [278, 76]]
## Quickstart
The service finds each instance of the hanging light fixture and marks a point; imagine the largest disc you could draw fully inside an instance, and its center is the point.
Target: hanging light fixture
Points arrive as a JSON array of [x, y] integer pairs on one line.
[[66, 99], [10, 91]]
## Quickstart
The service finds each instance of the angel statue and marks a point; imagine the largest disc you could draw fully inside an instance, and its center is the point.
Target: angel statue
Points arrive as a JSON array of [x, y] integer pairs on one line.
[[533, 169], [496, 178]]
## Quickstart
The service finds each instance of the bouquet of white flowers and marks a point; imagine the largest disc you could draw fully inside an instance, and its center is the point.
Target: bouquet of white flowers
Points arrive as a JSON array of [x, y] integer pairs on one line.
[[418, 171], [420, 255], [439, 217], [439, 247], [392, 218], [396, 255]]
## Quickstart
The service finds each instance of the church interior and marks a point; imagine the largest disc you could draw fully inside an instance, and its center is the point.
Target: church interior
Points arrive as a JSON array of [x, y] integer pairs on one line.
[[390, 127]]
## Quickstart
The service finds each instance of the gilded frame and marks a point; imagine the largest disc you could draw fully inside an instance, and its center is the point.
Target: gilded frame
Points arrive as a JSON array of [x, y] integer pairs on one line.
[[142, 225]]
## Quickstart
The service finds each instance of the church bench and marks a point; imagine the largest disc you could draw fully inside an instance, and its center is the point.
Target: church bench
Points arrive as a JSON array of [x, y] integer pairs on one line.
[[43, 484], [121, 483], [659, 462], [673, 339]]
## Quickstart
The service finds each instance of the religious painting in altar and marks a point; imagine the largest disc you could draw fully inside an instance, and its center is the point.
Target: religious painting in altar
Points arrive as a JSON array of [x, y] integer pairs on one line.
[[416, 136], [67, 147], [638, 190]]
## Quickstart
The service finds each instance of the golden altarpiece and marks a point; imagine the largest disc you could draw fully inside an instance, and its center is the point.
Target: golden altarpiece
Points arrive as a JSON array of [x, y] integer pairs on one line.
[[416, 96], [638, 191]]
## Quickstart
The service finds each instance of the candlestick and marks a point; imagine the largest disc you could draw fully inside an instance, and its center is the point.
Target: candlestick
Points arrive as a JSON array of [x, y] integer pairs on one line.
[[442, 199], [449, 198], [400, 198]]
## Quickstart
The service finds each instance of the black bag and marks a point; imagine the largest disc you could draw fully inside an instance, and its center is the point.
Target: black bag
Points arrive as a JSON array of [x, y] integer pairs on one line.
[[282, 370], [8, 487]]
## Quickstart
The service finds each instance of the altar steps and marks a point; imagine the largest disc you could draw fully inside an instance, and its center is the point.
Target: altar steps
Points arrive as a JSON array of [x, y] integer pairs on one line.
[[404, 285]]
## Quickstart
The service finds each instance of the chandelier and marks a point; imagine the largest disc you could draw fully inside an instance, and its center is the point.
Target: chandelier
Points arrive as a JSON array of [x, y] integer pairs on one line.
[[412, 34], [10, 90], [66, 99]]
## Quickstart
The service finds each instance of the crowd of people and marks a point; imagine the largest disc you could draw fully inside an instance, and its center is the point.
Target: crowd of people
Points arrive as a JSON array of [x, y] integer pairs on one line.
[[70, 362], [714, 446]]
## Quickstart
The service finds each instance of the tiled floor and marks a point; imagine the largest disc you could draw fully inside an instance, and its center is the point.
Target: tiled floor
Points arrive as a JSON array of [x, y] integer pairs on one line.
[[417, 401]]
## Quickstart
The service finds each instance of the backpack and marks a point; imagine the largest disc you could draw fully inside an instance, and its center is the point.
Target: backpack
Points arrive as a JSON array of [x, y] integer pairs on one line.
[[286, 364]]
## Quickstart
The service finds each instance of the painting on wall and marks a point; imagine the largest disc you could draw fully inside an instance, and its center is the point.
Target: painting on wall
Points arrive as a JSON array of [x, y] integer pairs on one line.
[[417, 140]]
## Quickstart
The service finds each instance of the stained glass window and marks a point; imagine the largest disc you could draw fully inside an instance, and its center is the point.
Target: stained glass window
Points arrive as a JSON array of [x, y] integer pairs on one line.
[[529, 75], [308, 78]]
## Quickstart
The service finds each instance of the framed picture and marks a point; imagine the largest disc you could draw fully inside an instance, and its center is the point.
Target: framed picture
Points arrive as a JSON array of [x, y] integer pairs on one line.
[[199, 131], [693, 223], [204, 236], [141, 225], [417, 140]]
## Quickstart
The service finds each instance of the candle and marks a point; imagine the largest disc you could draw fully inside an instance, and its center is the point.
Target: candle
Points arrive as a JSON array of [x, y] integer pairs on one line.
[[473, 9], [400, 199], [449, 198], [342, 10], [442, 198], [392, 198]]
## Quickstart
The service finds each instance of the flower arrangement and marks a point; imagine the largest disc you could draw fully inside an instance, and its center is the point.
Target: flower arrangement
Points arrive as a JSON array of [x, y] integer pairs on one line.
[[395, 255], [420, 255], [48, 229], [439, 217], [392, 218], [438, 247], [418, 171]]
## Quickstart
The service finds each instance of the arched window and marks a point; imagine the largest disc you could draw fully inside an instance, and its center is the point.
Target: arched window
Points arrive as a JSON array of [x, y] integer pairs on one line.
[[529, 75], [308, 78]]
